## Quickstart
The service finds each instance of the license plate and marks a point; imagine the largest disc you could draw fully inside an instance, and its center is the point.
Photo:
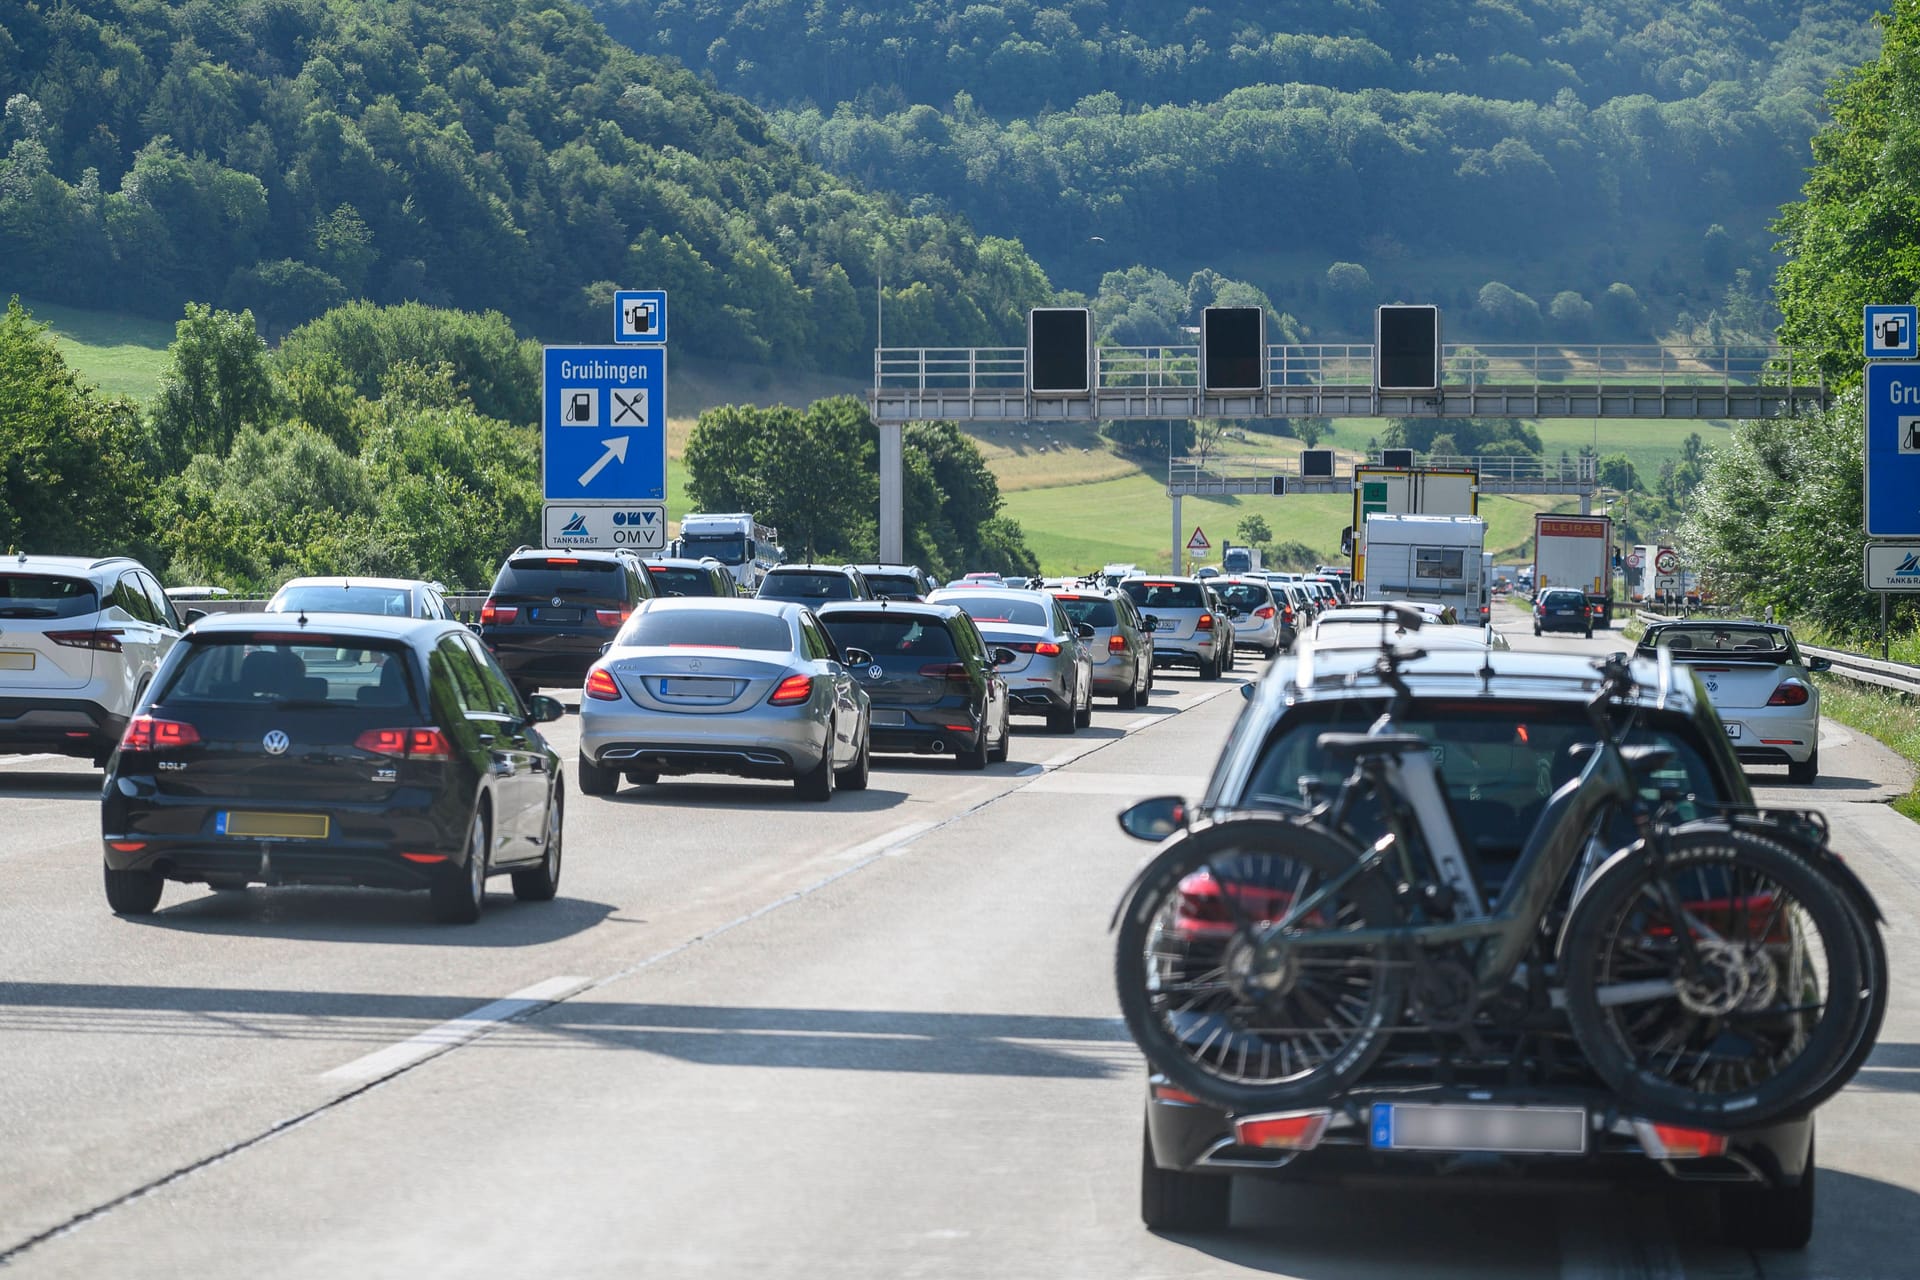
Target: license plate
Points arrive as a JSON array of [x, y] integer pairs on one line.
[[1404, 1126], [889, 717], [1165, 625], [16, 659], [556, 615], [1733, 731], [719, 690], [272, 826]]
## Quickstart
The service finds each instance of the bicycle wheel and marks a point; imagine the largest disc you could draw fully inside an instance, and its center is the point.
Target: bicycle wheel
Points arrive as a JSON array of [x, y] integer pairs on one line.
[[1235, 1027], [1759, 1025]]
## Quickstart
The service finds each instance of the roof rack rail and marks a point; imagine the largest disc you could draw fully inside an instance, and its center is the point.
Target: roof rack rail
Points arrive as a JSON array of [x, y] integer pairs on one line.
[[106, 560]]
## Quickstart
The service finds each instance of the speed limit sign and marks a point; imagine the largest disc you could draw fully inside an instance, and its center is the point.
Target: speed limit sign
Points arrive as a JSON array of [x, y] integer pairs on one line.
[[1635, 560], [1668, 561]]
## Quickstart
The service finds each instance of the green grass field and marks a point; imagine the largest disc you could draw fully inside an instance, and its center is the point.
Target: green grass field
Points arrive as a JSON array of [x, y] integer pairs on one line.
[[122, 355]]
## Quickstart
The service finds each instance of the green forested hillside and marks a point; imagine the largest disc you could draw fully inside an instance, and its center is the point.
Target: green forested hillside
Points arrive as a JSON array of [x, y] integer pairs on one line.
[[285, 155]]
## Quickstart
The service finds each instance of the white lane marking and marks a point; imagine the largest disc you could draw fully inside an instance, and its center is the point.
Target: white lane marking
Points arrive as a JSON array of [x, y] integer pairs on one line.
[[1134, 726], [1079, 783], [415, 1049], [8, 762], [883, 843]]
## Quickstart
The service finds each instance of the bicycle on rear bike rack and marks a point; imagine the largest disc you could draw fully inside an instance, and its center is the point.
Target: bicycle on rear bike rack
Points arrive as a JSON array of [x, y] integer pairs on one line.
[[1721, 971]]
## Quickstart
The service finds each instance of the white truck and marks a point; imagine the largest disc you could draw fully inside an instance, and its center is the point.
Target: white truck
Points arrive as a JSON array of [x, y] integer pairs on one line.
[[1576, 551], [1235, 559], [738, 541], [1428, 559]]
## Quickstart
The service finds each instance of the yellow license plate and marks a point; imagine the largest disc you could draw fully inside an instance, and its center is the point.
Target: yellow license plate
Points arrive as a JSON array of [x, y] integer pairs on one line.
[[16, 659], [274, 826]]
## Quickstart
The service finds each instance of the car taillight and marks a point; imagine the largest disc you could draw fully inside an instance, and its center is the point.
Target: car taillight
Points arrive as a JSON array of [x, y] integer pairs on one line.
[[1264, 612], [1116, 644], [106, 641], [1297, 1131], [601, 685], [791, 690], [1047, 649], [611, 617], [1287, 615], [1791, 693], [1206, 622], [146, 733], [956, 672], [1675, 1142], [411, 744], [492, 614]]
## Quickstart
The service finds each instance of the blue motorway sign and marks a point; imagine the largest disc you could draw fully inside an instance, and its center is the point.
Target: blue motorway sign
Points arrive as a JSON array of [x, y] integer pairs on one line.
[[603, 424], [640, 315], [1893, 451], [1893, 333]]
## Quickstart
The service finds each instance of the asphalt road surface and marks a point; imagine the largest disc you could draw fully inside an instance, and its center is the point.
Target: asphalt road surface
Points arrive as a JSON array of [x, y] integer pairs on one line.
[[753, 1036]]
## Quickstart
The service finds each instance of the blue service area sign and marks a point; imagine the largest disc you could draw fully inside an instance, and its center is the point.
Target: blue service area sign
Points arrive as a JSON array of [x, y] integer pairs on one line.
[[603, 424], [1893, 332], [640, 315], [1893, 451]]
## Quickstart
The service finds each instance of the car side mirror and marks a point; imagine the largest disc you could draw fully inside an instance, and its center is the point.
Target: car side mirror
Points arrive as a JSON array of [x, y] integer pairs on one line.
[[855, 657], [603, 648], [1246, 690], [1002, 656], [192, 616], [542, 709], [1154, 819], [1084, 630], [1819, 664]]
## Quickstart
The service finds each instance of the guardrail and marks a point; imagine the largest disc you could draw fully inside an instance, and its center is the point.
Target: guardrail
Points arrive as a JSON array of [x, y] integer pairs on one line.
[[463, 605], [1901, 677]]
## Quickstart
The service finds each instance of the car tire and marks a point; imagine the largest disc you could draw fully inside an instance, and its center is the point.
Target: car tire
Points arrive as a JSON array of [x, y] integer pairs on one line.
[[1769, 1217], [817, 783], [1061, 719], [595, 780], [234, 884], [1536, 628], [856, 775], [1128, 700], [643, 777], [541, 883], [1804, 774], [976, 758], [1209, 670], [999, 754], [1174, 1201], [134, 893], [459, 897], [1083, 718]]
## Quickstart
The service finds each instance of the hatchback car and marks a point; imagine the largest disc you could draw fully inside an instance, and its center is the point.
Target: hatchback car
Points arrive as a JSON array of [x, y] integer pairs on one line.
[[549, 613], [898, 581], [1562, 609], [388, 597], [933, 684], [753, 688], [812, 584], [679, 576], [1121, 646], [1187, 630], [80, 640], [1507, 729], [341, 749], [1052, 671], [1759, 681], [1259, 625]]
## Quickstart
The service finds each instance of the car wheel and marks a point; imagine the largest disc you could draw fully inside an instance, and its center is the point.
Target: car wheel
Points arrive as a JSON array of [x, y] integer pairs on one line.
[[1174, 1201], [595, 780], [134, 893], [458, 899], [541, 883], [1803, 775], [817, 782], [1061, 719], [1145, 689], [977, 757], [1083, 718], [856, 775], [1209, 670], [1769, 1217], [643, 777], [1128, 700], [1536, 628], [999, 754], [231, 884]]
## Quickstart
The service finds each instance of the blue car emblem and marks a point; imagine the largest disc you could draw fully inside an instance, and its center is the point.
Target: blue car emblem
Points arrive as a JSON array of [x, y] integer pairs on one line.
[[874, 672], [276, 743]]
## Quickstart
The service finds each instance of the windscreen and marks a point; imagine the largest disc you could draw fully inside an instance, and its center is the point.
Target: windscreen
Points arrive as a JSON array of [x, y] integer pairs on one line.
[[1563, 597], [391, 602], [561, 576], [727, 548], [896, 585], [1092, 610], [32, 595], [890, 636], [1151, 595], [1723, 640], [317, 672], [671, 581], [710, 628], [807, 586], [1245, 596], [1003, 610]]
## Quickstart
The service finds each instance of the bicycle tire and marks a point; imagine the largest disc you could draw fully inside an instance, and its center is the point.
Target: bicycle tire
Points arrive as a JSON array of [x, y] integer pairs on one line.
[[1734, 1093], [1249, 857]]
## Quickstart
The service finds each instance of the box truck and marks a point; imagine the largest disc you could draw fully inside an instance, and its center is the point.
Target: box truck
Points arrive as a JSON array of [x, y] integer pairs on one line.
[[1432, 491], [738, 541], [1576, 551], [1437, 559]]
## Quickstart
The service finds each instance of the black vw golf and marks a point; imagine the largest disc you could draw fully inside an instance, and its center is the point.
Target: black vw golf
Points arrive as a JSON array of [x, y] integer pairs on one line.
[[343, 749], [931, 684]]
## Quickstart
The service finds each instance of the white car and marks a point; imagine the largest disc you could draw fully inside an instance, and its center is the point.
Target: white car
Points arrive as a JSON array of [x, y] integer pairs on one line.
[[80, 639], [388, 597], [1757, 680]]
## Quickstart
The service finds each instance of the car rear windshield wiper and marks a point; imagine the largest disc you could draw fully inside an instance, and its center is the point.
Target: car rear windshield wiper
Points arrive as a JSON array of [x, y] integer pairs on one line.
[[29, 611], [303, 704]]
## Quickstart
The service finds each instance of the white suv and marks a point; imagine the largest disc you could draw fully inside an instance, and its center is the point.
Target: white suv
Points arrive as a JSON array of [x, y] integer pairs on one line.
[[79, 639]]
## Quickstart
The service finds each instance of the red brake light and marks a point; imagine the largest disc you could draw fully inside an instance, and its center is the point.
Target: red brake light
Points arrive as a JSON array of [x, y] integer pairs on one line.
[[1046, 649], [1061, 595], [611, 617], [1300, 1131], [1673, 1142], [1116, 644], [954, 671], [1264, 611], [412, 744], [1791, 693], [1287, 615], [424, 857], [145, 733], [1206, 622], [492, 614], [600, 684], [791, 690], [107, 641], [562, 560]]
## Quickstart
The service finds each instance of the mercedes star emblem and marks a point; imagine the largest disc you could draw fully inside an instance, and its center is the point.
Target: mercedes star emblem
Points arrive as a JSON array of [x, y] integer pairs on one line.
[[874, 672], [276, 743], [694, 665]]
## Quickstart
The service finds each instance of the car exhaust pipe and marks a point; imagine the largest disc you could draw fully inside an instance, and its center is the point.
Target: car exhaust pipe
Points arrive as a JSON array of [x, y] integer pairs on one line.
[[937, 747]]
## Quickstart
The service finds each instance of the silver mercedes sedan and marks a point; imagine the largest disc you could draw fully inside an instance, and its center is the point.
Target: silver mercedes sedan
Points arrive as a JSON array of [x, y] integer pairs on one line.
[[753, 688]]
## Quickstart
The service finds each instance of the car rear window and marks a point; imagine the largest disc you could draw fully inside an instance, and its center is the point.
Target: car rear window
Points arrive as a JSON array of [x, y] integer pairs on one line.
[[1244, 595], [313, 671], [1003, 610], [392, 602], [671, 581], [1095, 611], [1729, 640], [894, 584], [551, 576], [741, 628], [1151, 595], [891, 635], [32, 595], [807, 586], [1563, 596]]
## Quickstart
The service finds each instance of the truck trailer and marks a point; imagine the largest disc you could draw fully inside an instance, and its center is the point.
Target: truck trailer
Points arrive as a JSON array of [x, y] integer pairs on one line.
[[1576, 551], [1436, 559]]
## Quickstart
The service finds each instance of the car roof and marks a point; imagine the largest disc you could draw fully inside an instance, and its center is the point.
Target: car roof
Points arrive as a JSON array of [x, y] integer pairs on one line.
[[906, 608], [685, 562], [1366, 635], [349, 580], [810, 566], [1331, 674], [890, 568], [1162, 577], [321, 623], [25, 561], [732, 604]]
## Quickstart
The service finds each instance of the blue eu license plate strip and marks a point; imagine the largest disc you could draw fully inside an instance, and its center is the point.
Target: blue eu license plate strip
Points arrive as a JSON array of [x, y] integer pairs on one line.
[[1402, 1126]]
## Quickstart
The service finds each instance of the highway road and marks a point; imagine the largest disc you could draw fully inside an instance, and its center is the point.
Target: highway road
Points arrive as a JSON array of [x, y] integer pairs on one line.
[[754, 1036]]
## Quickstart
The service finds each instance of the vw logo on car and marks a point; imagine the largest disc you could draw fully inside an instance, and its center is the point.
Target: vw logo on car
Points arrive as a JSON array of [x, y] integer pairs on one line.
[[276, 742], [874, 672]]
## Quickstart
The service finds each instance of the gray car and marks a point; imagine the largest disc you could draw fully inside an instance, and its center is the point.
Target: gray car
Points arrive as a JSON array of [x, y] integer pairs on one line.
[[1052, 671], [1187, 631], [1258, 625], [388, 597], [1121, 645], [754, 688]]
